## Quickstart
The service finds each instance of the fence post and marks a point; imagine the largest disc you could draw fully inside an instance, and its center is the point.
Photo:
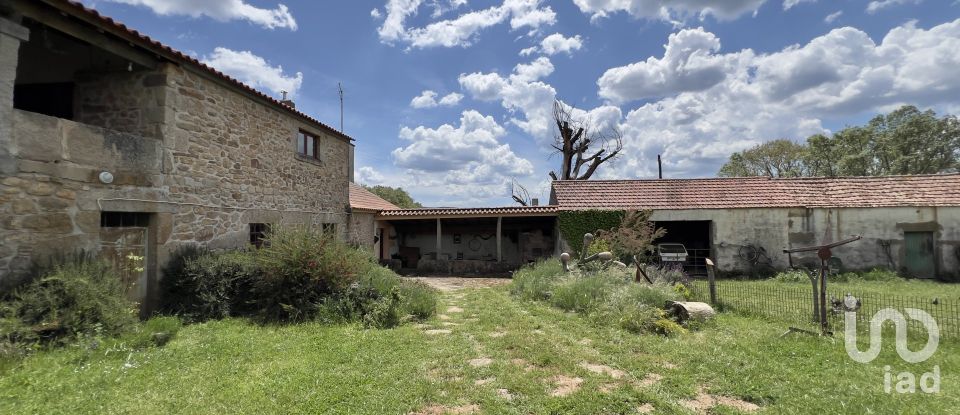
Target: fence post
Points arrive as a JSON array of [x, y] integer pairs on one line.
[[712, 278]]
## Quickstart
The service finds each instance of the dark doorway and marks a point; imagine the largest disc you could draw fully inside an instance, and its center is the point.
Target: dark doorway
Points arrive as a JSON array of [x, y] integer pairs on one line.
[[695, 237]]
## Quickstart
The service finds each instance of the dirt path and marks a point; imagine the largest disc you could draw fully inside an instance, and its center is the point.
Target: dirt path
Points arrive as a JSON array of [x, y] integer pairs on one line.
[[459, 283]]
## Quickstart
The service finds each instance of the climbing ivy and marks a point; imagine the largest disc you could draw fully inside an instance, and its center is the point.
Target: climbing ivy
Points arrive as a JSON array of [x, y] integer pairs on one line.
[[574, 223]]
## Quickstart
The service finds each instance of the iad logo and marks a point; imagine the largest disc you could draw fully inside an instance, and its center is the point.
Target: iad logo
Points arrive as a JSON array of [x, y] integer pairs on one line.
[[906, 381]]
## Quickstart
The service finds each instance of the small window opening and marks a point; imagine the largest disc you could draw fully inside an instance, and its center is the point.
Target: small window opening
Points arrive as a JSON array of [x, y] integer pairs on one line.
[[330, 228], [258, 233], [308, 145], [124, 220]]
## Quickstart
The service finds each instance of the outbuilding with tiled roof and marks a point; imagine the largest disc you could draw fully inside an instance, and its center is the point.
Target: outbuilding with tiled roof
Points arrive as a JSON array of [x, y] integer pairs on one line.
[[908, 223]]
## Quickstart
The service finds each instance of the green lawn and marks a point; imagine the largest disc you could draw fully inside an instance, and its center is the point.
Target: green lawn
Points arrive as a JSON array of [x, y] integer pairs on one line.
[[234, 366]]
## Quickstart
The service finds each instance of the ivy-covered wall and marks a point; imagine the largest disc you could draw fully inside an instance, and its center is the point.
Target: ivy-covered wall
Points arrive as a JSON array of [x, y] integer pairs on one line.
[[574, 223]]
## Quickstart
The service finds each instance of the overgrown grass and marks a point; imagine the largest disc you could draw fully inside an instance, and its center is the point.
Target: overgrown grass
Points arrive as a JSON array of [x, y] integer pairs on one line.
[[608, 296], [235, 366], [301, 276]]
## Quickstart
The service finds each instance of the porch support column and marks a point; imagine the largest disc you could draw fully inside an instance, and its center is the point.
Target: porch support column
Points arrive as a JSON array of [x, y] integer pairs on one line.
[[439, 245], [499, 227]]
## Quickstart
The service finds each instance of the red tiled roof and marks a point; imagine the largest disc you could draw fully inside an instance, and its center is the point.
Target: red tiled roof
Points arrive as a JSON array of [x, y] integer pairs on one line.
[[759, 192], [144, 41], [471, 212], [363, 199]]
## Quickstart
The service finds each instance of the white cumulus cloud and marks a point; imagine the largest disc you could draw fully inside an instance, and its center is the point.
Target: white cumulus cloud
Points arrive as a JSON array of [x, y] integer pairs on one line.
[[450, 99], [782, 94], [462, 30], [222, 10], [428, 99], [833, 16], [467, 160], [877, 5], [529, 99], [253, 70], [689, 63], [788, 4], [557, 43], [369, 176], [669, 10]]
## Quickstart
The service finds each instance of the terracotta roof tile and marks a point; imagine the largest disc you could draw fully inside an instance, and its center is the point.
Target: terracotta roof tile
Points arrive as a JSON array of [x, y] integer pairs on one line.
[[467, 212], [753, 192], [160, 49], [363, 199]]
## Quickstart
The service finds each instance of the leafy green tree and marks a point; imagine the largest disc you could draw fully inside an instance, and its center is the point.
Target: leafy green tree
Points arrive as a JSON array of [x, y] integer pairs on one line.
[[777, 158], [395, 195], [905, 141]]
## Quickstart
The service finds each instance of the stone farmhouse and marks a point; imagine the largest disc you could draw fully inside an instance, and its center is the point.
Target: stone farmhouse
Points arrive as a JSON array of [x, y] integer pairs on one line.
[[113, 142]]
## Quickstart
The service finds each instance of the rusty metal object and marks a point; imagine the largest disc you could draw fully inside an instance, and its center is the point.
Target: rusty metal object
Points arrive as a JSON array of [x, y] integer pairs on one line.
[[824, 253]]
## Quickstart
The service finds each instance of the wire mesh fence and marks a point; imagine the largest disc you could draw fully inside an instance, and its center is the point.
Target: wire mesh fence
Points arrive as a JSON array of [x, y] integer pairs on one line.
[[794, 304]]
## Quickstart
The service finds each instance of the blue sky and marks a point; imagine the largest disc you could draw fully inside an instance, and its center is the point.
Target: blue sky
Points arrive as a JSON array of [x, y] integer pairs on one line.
[[451, 99]]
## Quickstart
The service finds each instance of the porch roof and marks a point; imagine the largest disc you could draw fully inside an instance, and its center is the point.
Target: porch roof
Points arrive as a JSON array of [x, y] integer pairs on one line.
[[489, 212]]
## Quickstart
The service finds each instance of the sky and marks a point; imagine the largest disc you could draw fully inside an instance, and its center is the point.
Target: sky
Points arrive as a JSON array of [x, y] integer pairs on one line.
[[452, 99]]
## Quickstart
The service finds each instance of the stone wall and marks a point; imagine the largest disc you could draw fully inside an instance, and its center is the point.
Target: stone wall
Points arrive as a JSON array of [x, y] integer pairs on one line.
[[133, 102], [361, 229], [52, 202], [204, 159], [224, 149]]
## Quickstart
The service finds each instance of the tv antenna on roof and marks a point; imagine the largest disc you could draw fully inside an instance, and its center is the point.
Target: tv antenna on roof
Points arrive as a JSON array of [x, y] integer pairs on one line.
[[340, 88]]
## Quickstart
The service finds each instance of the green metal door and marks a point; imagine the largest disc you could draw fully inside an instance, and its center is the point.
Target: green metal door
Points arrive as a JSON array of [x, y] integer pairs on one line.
[[918, 256]]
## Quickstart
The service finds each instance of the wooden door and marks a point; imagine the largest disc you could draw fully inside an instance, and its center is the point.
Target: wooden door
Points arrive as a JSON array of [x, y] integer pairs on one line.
[[919, 259]]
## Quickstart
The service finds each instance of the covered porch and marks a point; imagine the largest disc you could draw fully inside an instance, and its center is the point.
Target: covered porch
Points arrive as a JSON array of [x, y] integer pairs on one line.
[[456, 241]]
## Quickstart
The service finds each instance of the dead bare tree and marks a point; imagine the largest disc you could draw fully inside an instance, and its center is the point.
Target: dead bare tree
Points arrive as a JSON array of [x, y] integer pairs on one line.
[[576, 142], [520, 193]]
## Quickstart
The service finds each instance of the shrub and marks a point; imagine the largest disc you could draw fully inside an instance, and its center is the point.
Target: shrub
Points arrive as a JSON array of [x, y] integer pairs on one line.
[[634, 235], [301, 267], [606, 296], [380, 299], [598, 245], [668, 327], [211, 286], [535, 281], [668, 274], [635, 307], [584, 294], [83, 297]]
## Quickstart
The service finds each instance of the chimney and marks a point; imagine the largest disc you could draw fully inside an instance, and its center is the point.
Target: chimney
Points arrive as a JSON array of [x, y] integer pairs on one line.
[[285, 101], [534, 202]]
